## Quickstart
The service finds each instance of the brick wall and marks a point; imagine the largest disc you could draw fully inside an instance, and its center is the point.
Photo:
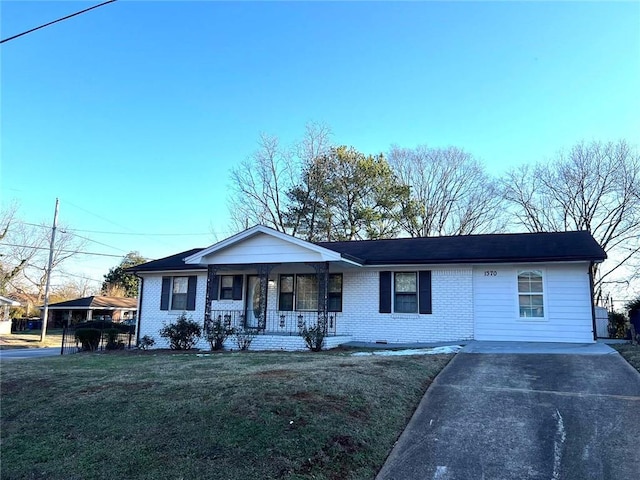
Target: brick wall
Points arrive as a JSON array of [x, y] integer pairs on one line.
[[451, 320], [152, 319]]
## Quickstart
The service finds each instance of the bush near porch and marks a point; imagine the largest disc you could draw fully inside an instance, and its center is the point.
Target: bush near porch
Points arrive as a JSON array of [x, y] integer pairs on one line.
[[233, 415]]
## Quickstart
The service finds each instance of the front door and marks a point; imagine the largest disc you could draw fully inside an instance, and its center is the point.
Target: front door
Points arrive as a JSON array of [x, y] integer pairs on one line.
[[253, 302]]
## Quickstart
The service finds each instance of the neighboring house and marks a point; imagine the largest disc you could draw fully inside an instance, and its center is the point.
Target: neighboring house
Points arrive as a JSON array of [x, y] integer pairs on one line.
[[117, 309], [5, 321], [524, 287]]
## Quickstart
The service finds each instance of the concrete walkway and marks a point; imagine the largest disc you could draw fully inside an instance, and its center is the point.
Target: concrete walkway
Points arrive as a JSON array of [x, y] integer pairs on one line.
[[524, 416]]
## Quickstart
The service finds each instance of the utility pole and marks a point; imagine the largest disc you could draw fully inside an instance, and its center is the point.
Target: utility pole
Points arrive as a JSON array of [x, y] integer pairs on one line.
[[45, 313]]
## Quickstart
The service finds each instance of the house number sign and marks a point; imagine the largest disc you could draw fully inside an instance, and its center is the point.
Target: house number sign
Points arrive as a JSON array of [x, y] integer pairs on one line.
[[490, 273]]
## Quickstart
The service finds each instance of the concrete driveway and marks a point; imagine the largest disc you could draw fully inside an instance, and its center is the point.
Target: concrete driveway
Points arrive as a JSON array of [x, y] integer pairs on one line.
[[524, 416]]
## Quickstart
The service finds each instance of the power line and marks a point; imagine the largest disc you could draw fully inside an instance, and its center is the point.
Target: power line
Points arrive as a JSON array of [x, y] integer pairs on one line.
[[63, 251], [71, 230], [94, 241], [56, 21], [140, 234]]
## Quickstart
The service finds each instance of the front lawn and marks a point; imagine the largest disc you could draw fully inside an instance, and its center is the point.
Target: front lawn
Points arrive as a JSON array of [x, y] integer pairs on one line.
[[233, 416], [631, 353]]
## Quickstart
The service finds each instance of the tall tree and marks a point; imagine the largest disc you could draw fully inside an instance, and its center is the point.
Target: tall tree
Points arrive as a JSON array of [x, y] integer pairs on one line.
[[346, 195], [594, 186], [260, 184], [449, 193], [120, 283]]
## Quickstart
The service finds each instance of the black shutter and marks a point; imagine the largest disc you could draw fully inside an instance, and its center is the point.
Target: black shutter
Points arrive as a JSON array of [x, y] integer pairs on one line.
[[237, 287], [424, 286], [385, 292], [164, 296], [191, 292], [213, 287]]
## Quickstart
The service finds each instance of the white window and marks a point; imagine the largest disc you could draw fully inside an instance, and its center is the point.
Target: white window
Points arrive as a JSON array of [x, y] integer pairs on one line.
[[179, 293], [530, 294]]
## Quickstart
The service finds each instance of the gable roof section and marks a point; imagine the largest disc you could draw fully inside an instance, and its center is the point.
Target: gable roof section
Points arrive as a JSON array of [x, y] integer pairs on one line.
[[98, 302], [491, 248], [260, 231]]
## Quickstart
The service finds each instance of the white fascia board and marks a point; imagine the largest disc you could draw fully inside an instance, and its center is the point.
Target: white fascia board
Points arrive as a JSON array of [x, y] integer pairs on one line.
[[326, 254]]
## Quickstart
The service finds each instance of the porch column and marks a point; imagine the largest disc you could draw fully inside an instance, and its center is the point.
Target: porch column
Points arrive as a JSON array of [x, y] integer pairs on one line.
[[322, 272], [264, 269], [212, 282]]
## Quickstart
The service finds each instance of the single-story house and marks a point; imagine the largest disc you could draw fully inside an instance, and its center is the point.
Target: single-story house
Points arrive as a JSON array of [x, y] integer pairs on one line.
[[5, 321], [95, 307], [522, 287]]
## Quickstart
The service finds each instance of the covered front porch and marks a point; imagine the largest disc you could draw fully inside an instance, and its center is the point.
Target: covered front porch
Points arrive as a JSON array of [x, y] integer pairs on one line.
[[270, 283]]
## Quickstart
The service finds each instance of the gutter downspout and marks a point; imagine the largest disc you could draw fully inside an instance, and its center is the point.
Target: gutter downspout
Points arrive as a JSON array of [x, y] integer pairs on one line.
[[593, 307]]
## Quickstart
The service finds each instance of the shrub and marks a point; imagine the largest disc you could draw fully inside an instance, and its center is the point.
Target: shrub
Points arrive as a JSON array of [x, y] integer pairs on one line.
[[89, 338], [313, 336], [617, 325], [183, 334], [633, 306], [217, 332], [146, 342], [244, 337], [112, 340]]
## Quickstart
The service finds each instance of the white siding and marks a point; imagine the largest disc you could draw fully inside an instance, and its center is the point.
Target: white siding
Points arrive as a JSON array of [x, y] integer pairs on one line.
[[262, 249], [567, 304], [451, 320]]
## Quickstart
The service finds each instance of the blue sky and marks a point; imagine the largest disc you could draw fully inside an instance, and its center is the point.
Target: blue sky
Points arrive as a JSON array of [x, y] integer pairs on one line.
[[132, 114]]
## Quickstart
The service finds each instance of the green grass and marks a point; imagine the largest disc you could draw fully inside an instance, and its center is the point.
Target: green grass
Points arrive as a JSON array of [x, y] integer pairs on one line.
[[231, 416], [631, 353]]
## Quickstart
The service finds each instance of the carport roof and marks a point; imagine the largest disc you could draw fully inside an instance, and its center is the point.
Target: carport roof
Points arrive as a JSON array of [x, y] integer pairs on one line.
[[490, 248], [97, 302]]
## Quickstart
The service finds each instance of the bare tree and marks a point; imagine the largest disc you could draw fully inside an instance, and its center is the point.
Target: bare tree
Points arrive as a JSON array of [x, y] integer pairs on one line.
[[24, 253], [593, 187], [34, 275], [259, 185], [75, 287], [20, 245], [449, 193]]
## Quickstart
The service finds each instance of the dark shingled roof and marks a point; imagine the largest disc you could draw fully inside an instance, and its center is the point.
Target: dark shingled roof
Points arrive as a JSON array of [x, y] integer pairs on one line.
[[97, 302], [498, 248], [174, 262], [493, 248]]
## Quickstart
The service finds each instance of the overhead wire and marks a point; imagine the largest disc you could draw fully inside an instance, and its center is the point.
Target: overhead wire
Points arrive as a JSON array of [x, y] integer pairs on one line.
[[55, 21], [147, 234], [63, 251]]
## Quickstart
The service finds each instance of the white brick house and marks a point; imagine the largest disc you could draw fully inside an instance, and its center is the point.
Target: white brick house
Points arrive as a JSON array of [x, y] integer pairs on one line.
[[529, 287]]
